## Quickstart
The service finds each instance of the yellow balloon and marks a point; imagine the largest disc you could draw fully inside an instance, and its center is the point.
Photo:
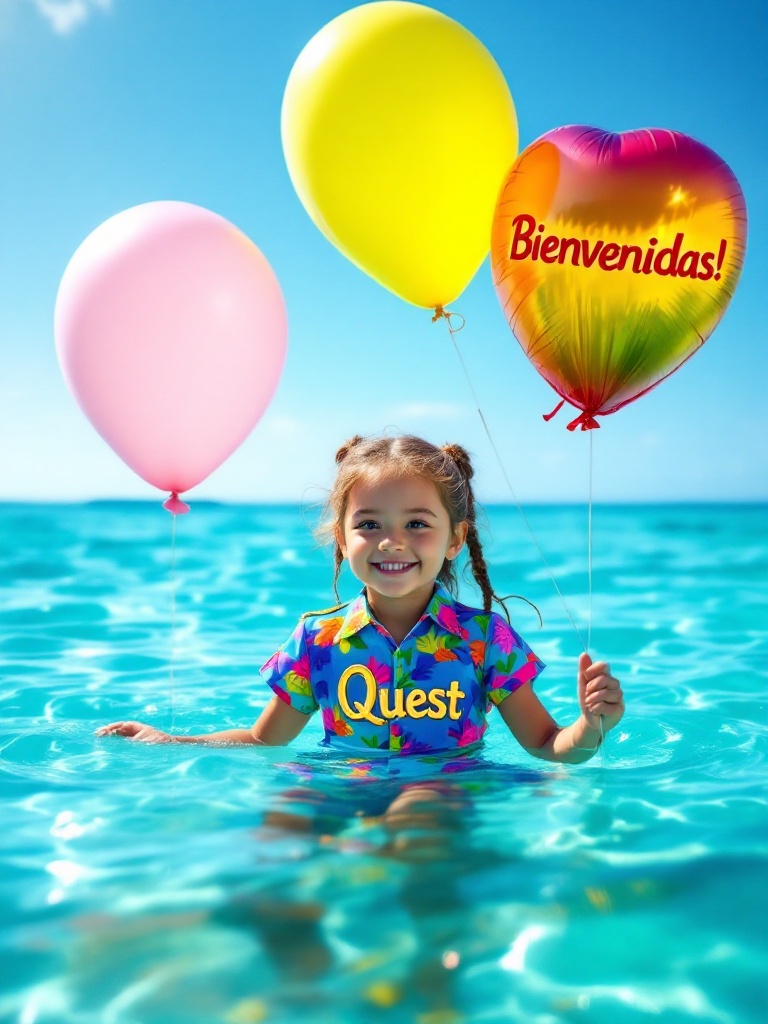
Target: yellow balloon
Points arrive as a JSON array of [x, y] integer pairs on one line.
[[398, 130]]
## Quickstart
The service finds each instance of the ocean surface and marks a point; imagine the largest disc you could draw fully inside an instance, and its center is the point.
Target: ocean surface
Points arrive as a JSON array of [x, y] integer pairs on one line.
[[189, 885]]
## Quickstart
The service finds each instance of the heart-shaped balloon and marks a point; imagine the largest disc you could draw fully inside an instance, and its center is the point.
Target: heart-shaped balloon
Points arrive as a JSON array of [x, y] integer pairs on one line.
[[614, 257]]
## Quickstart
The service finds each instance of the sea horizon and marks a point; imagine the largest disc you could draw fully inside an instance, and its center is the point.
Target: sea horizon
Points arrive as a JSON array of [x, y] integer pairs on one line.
[[297, 503]]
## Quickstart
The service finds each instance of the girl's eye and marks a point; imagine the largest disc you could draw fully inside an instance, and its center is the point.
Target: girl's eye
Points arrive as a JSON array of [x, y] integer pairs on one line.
[[418, 523], [367, 524]]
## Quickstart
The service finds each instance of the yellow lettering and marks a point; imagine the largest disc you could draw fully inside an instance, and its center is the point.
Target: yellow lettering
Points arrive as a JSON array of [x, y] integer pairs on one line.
[[360, 710], [437, 700], [397, 712], [411, 705], [414, 700], [454, 694]]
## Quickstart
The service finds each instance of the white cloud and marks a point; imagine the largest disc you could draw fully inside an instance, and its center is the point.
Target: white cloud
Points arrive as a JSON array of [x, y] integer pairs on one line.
[[284, 427], [427, 411], [65, 15]]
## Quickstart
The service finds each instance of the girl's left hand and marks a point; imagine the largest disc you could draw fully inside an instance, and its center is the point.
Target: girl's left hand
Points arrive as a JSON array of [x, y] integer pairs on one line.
[[599, 694]]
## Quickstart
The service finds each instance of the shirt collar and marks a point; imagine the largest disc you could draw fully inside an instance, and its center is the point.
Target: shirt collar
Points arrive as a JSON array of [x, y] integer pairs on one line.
[[441, 609]]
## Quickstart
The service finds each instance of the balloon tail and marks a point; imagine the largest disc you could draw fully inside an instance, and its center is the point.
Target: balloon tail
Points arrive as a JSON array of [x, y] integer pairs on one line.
[[175, 505], [585, 420], [548, 415]]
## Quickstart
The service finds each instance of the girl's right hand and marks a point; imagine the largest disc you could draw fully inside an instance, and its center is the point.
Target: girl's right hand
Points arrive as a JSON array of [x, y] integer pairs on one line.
[[136, 731]]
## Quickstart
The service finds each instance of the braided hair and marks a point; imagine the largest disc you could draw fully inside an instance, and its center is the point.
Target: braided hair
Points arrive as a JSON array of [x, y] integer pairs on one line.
[[449, 468]]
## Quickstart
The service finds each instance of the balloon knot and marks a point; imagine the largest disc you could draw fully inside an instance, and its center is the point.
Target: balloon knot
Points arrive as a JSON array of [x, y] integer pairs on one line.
[[440, 312], [585, 420], [175, 505]]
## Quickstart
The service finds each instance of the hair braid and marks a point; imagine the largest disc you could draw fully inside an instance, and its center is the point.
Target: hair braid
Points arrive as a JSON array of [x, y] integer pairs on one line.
[[341, 454], [338, 558], [477, 559]]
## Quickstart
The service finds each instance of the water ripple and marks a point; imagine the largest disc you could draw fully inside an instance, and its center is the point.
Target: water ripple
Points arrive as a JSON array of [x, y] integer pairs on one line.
[[182, 884]]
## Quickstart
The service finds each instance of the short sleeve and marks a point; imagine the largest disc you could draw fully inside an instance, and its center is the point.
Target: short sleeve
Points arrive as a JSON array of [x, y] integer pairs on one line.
[[287, 672], [509, 661]]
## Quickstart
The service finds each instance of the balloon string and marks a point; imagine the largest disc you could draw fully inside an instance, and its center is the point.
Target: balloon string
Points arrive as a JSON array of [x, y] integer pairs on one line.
[[589, 574], [173, 621], [440, 312], [589, 553]]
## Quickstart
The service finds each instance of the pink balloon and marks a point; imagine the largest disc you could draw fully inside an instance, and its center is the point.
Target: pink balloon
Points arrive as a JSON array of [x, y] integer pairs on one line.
[[171, 333]]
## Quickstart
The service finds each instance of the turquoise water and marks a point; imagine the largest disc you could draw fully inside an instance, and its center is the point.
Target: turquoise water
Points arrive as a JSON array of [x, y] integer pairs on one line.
[[143, 884]]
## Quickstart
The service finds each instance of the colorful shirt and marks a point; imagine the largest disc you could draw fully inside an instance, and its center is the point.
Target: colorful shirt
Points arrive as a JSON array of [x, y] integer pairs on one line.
[[432, 693]]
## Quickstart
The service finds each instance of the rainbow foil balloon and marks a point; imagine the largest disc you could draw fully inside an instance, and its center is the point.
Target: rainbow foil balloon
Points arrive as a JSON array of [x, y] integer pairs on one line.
[[614, 257]]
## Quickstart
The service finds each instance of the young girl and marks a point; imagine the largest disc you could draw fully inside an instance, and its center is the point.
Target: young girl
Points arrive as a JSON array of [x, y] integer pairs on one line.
[[405, 668]]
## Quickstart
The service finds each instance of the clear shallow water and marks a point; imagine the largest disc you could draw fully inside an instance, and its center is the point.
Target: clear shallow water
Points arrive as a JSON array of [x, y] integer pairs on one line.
[[152, 884]]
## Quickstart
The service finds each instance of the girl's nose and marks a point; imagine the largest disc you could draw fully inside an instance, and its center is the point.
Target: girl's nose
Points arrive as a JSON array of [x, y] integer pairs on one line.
[[391, 542]]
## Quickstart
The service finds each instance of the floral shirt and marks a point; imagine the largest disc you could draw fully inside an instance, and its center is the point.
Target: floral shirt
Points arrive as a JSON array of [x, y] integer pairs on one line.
[[430, 694]]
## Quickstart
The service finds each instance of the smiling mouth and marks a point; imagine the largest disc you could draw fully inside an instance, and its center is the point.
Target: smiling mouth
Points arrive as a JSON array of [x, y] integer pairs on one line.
[[393, 568]]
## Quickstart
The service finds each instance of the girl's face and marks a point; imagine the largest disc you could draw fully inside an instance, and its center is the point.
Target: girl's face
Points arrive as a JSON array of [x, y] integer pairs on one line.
[[397, 534]]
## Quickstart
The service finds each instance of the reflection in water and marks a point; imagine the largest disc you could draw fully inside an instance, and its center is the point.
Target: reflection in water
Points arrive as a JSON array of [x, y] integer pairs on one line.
[[383, 896], [423, 829], [378, 894], [365, 911]]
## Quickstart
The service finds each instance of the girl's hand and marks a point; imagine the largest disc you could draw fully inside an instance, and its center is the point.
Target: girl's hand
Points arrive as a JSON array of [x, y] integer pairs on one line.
[[136, 731], [599, 694]]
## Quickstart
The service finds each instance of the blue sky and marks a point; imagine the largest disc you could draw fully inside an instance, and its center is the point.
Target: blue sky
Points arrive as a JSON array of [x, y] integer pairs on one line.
[[105, 104]]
